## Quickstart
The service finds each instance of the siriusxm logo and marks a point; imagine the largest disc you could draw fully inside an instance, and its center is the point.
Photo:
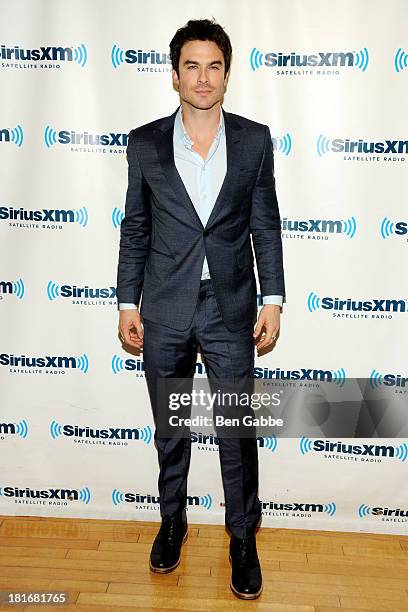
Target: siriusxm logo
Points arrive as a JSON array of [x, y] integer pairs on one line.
[[336, 376], [306, 445], [282, 144], [345, 227], [296, 507], [117, 217], [139, 57], [314, 302], [55, 291], [12, 288], [83, 495], [118, 497], [393, 228], [131, 365], [70, 137], [205, 439], [53, 362], [346, 145], [388, 380], [325, 59], [143, 434], [400, 60], [268, 442], [16, 429], [119, 365], [14, 135], [46, 54], [364, 511], [47, 215]]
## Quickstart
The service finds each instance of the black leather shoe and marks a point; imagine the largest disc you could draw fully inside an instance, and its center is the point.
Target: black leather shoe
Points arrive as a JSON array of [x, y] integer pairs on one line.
[[165, 554], [246, 577]]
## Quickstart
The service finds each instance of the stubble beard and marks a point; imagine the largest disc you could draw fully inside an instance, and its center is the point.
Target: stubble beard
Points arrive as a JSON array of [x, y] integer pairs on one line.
[[205, 104]]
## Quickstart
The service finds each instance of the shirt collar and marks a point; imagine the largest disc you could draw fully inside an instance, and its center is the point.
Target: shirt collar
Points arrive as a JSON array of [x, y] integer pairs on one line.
[[181, 133]]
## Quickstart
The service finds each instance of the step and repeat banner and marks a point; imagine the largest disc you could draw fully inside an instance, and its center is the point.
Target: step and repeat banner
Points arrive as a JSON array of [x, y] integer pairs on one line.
[[331, 82]]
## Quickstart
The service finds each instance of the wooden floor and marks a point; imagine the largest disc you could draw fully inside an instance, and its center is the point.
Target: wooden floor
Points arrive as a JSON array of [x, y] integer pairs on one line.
[[104, 567]]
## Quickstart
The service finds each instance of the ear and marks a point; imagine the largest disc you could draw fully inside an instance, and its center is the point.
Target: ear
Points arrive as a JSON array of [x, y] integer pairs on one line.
[[175, 78], [226, 78]]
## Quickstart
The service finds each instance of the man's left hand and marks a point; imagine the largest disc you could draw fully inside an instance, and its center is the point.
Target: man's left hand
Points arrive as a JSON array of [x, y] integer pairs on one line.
[[269, 323]]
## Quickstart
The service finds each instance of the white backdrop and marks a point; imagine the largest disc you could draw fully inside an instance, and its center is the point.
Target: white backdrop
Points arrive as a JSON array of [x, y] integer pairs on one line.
[[62, 189]]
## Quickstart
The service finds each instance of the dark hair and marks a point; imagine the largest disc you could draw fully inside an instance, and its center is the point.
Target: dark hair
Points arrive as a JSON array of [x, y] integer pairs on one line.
[[200, 29]]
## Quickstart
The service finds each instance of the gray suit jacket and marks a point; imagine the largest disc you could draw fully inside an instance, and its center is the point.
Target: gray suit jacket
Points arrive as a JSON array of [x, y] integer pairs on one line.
[[163, 242]]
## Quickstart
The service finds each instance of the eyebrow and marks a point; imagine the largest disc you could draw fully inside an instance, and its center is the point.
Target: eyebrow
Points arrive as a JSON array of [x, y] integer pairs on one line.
[[219, 62]]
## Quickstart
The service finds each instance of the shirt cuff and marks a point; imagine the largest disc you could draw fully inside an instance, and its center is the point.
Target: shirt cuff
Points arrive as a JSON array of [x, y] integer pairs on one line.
[[126, 306], [273, 299]]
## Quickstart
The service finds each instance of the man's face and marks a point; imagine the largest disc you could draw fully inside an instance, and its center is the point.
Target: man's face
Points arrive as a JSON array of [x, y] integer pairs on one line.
[[201, 81]]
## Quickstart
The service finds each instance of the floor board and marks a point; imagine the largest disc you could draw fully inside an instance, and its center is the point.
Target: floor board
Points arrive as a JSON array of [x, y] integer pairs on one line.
[[103, 566]]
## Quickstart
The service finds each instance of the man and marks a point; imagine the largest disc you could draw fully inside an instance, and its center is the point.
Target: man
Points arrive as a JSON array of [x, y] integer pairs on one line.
[[200, 182]]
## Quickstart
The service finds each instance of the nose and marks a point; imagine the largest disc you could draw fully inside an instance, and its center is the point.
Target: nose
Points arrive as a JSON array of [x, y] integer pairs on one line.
[[202, 76]]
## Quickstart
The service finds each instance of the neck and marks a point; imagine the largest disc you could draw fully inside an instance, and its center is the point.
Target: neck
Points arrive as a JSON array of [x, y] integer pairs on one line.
[[201, 123]]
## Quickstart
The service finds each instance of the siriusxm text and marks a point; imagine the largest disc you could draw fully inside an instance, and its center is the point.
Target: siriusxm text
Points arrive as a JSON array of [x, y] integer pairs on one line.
[[372, 450], [113, 433], [312, 225], [301, 374], [45, 214], [340, 145], [42, 494], [322, 58], [376, 305], [61, 54], [47, 361]]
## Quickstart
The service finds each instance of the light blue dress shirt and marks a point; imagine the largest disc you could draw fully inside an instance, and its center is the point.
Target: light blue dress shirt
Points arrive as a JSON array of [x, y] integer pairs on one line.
[[202, 179]]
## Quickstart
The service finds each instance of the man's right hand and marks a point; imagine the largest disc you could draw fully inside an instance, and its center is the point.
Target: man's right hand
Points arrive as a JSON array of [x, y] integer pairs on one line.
[[131, 327]]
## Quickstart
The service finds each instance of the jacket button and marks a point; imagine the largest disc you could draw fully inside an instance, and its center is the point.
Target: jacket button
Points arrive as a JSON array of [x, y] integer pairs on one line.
[[206, 233]]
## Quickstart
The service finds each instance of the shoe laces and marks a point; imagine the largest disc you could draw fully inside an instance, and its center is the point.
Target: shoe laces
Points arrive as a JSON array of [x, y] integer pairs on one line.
[[170, 529], [245, 549]]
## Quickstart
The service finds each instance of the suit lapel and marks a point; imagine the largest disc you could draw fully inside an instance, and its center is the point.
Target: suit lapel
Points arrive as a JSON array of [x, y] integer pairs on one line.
[[234, 138], [164, 142]]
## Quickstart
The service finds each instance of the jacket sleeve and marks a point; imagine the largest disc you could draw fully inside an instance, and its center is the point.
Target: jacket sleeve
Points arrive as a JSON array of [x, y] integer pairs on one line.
[[135, 231], [265, 225]]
